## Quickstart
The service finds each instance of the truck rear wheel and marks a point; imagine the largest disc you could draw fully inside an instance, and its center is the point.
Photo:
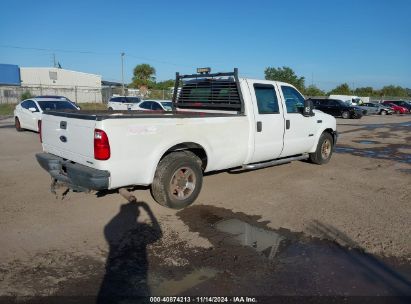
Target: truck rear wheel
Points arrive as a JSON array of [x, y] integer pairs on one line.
[[324, 150], [178, 180]]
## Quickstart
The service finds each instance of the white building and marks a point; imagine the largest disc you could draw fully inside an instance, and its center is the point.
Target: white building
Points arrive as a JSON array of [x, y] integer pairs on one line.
[[77, 86]]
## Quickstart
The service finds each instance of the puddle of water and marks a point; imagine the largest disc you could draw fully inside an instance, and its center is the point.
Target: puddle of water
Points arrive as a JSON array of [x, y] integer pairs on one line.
[[377, 153], [160, 286], [298, 264], [263, 241]]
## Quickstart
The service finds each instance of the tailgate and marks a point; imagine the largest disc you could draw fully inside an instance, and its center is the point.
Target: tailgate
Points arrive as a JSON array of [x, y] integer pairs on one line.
[[69, 138]]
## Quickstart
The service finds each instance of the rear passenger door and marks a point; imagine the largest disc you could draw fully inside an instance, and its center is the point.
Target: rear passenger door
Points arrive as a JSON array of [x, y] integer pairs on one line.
[[299, 130], [269, 121]]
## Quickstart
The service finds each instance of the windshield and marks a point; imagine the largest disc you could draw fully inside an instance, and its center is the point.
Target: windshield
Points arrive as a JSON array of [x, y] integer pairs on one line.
[[167, 105], [47, 105]]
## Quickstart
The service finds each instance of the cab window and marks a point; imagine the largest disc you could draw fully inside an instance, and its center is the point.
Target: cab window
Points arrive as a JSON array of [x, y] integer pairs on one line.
[[267, 101], [294, 101]]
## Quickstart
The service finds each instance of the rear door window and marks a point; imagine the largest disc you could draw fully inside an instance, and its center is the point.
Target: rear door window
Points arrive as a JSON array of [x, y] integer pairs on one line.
[[146, 105], [155, 106], [267, 101]]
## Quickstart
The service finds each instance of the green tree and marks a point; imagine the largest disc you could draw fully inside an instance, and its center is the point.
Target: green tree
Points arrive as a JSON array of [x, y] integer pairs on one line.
[[396, 91], [26, 95], [164, 85], [312, 90], [342, 89], [285, 74], [144, 76], [365, 91]]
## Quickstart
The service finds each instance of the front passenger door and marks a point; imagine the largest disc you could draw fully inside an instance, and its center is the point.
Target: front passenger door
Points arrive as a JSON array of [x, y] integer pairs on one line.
[[300, 130]]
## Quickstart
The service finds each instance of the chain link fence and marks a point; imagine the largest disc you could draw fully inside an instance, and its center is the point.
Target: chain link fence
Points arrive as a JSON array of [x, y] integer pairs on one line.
[[13, 94]]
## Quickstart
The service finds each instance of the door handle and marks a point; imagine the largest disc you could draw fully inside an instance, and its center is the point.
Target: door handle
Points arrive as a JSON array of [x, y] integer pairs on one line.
[[259, 126], [287, 124]]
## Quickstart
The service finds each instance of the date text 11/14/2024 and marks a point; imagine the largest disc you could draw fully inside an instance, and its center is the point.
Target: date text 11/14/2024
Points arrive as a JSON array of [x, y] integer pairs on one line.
[[203, 299]]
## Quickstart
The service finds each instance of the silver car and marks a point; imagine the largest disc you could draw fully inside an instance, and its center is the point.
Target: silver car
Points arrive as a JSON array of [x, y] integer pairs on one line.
[[375, 108]]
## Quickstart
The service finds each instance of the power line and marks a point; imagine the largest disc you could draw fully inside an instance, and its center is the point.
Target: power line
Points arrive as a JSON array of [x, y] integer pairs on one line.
[[54, 50], [92, 53]]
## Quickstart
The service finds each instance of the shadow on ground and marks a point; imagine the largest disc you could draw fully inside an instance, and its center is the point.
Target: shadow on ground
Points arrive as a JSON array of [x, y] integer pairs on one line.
[[127, 264]]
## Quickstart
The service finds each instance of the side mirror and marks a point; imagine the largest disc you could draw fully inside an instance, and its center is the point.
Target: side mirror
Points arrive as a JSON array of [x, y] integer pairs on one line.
[[308, 108], [32, 109]]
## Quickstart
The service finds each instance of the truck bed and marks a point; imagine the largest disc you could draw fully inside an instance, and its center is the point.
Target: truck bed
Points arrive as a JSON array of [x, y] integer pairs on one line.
[[99, 115]]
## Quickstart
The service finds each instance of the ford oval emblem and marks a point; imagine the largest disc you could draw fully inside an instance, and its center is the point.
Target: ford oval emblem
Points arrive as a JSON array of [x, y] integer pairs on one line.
[[63, 138]]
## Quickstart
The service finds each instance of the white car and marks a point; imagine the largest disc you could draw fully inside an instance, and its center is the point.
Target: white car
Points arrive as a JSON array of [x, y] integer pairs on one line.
[[27, 113], [155, 105], [123, 103]]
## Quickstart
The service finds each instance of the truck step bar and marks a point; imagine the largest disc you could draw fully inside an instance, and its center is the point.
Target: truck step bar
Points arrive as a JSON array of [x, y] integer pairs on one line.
[[271, 163]]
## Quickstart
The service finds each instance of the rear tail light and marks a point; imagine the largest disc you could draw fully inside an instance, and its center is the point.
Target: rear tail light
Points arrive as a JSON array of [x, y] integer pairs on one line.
[[39, 125], [101, 145]]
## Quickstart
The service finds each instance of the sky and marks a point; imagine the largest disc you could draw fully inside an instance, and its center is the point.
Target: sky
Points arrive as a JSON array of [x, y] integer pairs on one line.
[[362, 42]]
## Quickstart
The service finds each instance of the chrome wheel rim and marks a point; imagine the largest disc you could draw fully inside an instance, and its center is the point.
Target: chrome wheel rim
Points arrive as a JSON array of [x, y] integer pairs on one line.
[[326, 149], [183, 183]]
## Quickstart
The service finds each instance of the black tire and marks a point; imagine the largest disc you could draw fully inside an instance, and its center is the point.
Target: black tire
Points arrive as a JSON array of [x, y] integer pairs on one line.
[[110, 109], [383, 112], [345, 114], [325, 142], [173, 171], [397, 112], [17, 124]]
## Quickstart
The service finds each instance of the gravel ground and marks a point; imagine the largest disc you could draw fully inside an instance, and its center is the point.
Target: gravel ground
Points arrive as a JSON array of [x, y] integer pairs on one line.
[[360, 199]]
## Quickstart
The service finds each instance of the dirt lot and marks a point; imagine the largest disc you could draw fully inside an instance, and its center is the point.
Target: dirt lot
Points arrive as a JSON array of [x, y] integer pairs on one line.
[[339, 229]]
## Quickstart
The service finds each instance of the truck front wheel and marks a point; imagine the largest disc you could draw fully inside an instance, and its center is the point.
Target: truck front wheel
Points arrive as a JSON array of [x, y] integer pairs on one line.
[[178, 180], [324, 150]]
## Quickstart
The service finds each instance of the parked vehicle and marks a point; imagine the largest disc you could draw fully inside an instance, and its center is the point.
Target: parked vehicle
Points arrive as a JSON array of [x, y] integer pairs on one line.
[[58, 97], [220, 122], [28, 113], [349, 99], [397, 109], [401, 103], [338, 108], [123, 103], [155, 105], [376, 108]]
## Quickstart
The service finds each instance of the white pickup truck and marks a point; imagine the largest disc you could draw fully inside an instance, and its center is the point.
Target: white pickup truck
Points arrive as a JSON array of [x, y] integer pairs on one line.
[[219, 122]]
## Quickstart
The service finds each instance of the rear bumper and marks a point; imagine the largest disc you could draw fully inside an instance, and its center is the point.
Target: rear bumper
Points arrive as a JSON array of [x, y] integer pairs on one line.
[[75, 176]]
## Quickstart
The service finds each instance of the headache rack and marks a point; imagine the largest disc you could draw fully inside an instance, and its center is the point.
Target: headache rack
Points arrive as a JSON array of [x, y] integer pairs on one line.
[[218, 91]]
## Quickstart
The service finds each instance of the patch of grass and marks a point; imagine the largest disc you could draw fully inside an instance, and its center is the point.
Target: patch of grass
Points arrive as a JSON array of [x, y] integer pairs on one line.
[[93, 106], [7, 108]]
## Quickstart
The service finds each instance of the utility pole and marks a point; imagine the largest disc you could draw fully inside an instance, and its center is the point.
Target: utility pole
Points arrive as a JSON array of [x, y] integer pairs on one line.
[[122, 73], [54, 60]]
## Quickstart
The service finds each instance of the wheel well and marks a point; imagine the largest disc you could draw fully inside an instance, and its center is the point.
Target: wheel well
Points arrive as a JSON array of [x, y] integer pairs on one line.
[[331, 132], [193, 148]]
